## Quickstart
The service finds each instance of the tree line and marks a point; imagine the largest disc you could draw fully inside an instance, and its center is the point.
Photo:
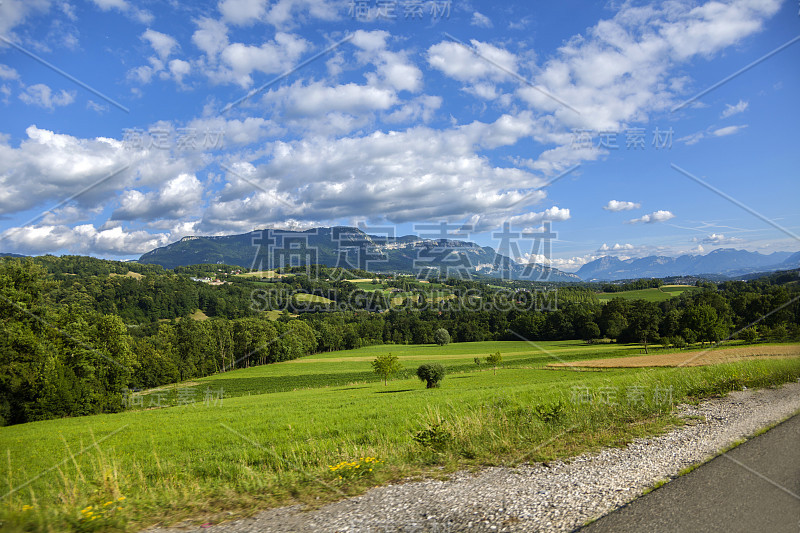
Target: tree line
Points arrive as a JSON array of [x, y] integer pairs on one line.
[[72, 344]]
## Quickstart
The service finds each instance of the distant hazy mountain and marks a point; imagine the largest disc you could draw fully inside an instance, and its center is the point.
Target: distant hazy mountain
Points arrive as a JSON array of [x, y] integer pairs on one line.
[[792, 262], [6, 254], [349, 248], [725, 261]]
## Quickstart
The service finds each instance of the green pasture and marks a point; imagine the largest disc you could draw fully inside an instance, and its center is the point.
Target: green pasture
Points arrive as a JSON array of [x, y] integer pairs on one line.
[[651, 295], [262, 445], [349, 367]]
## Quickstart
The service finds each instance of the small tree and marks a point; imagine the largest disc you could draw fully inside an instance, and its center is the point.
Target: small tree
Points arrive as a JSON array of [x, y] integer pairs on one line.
[[590, 331], [386, 366], [431, 374], [477, 361], [441, 337], [748, 335], [494, 360], [689, 336]]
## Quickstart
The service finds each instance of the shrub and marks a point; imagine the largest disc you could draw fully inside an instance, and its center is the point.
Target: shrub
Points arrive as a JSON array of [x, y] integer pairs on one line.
[[778, 333], [435, 436], [441, 336], [549, 412], [431, 374], [748, 335]]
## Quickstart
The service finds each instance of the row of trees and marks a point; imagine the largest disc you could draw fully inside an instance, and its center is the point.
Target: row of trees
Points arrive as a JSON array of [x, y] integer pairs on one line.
[[189, 349], [708, 315], [633, 285]]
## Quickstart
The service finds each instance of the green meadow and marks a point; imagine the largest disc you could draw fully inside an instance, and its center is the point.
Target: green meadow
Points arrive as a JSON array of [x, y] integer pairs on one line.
[[259, 274], [279, 431], [351, 367], [659, 294]]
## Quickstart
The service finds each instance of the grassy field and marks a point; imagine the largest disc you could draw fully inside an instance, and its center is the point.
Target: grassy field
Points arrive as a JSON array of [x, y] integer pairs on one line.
[[665, 292], [130, 274], [268, 274], [315, 298], [251, 451], [368, 285], [677, 288], [353, 367], [199, 315], [275, 314]]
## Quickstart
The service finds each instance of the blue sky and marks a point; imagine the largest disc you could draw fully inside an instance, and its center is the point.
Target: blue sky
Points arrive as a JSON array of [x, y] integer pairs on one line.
[[115, 136]]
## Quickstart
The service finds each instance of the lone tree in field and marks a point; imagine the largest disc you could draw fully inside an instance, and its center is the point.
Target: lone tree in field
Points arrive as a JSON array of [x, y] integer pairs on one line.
[[431, 374], [386, 366], [441, 337], [494, 360], [590, 331]]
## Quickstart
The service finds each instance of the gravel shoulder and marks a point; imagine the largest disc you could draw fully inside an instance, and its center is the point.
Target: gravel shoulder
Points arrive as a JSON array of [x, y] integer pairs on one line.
[[559, 496]]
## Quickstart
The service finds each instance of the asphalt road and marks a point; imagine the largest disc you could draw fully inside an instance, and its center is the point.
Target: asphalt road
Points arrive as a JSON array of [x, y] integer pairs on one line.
[[754, 487]]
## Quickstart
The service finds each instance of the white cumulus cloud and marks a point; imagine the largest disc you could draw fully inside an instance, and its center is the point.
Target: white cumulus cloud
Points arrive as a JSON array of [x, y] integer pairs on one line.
[[481, 20], [718, 239], [126, 8], [616, 247], [162, 43], [177, 198], [734, 109], [728, 130], [82, 239], [8, 73], [617, 205], [41, 95], [657, 216]]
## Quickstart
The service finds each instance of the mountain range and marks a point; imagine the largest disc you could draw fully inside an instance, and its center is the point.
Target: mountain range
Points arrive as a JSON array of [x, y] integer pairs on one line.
[[350, 247], [725, 261]]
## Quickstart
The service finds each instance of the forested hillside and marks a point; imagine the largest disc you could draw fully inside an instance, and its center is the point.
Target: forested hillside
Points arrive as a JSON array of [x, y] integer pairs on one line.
[[77, 333]]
